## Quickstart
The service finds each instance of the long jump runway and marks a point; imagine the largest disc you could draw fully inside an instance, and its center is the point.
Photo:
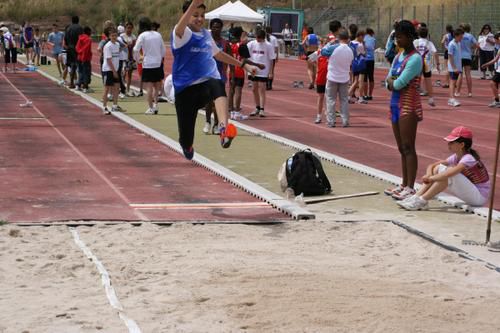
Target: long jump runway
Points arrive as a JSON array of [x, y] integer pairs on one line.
[[62, 160]]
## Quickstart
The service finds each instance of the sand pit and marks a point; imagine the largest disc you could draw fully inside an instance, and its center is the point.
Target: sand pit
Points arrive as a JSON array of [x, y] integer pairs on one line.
[[295, 277]]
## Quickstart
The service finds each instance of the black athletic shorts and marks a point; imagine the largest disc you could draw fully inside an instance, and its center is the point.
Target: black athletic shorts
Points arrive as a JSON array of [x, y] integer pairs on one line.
[[257, 78], [153, 74], [369, 71], [109, 80], [320, 89], [496, 77], [239, 81], [288, 43], [446, 54], [454, 76], [466, 62], [10, 56], [28, 45], [427, 74], [71, 57]]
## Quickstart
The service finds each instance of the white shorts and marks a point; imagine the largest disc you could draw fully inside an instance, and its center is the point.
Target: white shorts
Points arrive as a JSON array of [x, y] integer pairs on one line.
[[461, 187]]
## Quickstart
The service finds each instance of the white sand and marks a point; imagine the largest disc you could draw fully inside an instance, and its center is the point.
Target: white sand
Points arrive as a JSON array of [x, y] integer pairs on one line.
[[297, 277]]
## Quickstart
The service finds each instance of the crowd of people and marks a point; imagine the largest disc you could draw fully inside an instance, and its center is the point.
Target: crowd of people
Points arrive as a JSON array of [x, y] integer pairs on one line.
[[340, 66]]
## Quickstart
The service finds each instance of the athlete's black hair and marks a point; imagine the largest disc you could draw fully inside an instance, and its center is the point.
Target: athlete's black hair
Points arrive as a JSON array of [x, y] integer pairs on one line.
[[406, 28], [216, 20], [260, 33], [449, 28], [145, 24], [87, 30], [468, 147], [423, 32], [334, 26], [187, 3]]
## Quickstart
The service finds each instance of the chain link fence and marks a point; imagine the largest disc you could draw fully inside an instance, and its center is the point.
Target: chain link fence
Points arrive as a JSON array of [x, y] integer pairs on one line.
[[436, 16]]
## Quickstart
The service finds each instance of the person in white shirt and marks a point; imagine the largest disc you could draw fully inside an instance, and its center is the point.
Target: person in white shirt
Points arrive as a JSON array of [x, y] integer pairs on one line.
[[129, 38], [486, 42], [123, 59], [153, 49], [427, 50], [339, 67], [287, 34], [111, 77], [274, 42], [261, 52]]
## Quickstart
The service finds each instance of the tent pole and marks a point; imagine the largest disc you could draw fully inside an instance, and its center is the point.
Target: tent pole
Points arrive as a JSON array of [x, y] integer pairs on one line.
[[492, 194]]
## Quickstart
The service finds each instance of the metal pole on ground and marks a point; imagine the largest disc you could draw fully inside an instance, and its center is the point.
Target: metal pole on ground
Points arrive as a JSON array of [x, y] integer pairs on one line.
[[492, 194]]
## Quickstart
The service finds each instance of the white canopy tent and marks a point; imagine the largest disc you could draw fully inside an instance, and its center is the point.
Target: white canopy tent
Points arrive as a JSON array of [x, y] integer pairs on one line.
[[235, 12], [214, 13]]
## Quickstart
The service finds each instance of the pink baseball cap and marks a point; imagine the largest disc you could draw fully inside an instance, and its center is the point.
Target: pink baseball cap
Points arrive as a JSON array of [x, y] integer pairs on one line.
[[459, 132]]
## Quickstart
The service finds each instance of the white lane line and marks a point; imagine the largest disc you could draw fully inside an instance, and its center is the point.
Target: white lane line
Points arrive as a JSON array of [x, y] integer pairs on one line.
[[106, 282], [229, 205], [22, 118]]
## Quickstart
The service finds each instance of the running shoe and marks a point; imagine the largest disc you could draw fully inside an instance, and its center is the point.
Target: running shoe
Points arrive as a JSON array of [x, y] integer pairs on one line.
[[150, 111], [255, 112], [295, 84], [331, 125], [227, 134], [206, 128], [121, 95], [155, 108], [188, 153], [362, 100], [431, 102], [106, 111], [494, 104], [457, 94], [416, 203], [369, 98], [301, 84], [262, 114], [424, 93], [116, 108], [405, 193], [311, 86], [140, 94], [130, 94], [215, 129], [318, 119], [453, 102], [469, 95], [392, 190]]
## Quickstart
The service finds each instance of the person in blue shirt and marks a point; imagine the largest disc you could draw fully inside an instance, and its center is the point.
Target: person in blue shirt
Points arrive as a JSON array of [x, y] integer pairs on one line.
[[455, 64], [195, 76], [369, 79], [468, 45], [403, 81]]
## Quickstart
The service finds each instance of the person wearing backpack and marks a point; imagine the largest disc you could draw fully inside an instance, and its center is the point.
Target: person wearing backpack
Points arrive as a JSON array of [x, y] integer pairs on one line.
[[405, 107], [10, 47], [427, 51], [358, 66]]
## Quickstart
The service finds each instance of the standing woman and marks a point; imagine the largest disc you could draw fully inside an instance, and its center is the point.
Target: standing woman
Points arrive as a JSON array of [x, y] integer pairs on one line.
[[405, 108], [486, 42], [311, 44]]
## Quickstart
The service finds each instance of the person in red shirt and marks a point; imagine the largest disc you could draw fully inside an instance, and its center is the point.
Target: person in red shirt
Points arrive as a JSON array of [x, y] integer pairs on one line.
[[84, 57], [322, 70]]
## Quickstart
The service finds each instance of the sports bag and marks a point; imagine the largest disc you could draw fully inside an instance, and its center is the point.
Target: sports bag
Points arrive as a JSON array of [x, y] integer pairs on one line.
[[304, 174]]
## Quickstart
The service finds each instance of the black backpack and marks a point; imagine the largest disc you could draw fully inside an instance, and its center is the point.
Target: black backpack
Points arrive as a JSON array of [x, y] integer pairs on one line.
[[305, 174]]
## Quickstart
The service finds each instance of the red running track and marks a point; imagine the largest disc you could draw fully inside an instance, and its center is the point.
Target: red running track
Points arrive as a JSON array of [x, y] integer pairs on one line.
[[62, 160]]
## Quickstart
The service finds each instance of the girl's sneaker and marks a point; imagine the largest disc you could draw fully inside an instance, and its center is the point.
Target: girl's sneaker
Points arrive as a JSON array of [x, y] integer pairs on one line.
[[392, 190], [416, 203], [106, 111], [215, 129], [453, 102], [405, 193], [206, 128], [318, 119], [227, 134], [494, 104]]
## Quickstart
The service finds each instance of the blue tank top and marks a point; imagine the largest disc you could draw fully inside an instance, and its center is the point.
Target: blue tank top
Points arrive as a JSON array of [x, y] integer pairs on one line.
[[312, 40], [193, 62]]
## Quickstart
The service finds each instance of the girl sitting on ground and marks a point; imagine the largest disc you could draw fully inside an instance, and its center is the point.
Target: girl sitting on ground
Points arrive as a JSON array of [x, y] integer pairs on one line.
[[463, 174]]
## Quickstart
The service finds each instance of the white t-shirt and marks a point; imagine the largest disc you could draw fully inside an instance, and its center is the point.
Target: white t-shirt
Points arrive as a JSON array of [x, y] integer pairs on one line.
[[152, 47], [484, 45], [274, 41], [424, 45], [262, 53], [123, 49], [111, 51], [287, 34], [339, 64], [180, 42], [129, 40]]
